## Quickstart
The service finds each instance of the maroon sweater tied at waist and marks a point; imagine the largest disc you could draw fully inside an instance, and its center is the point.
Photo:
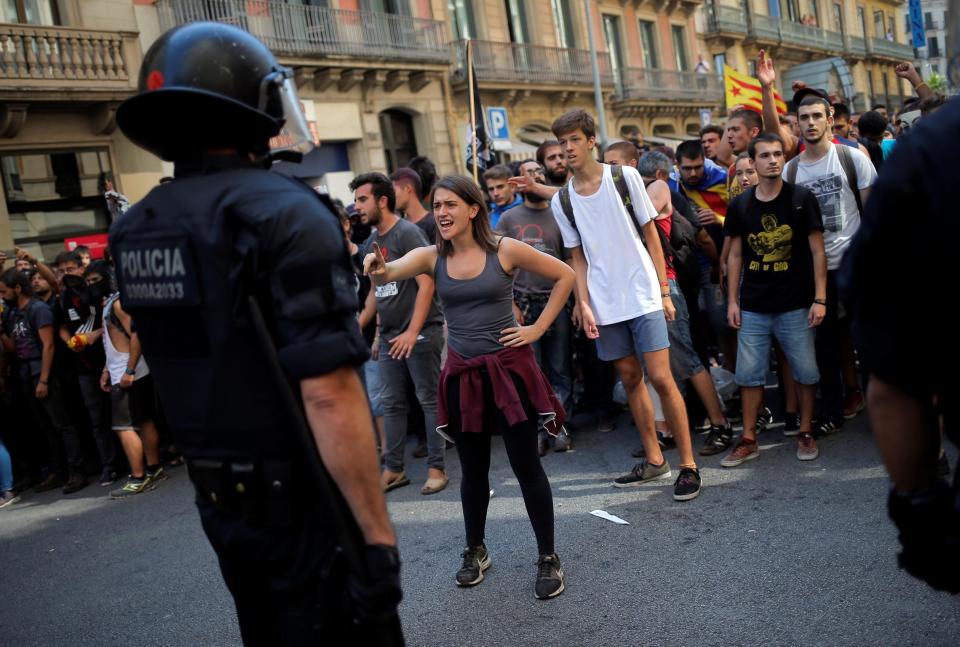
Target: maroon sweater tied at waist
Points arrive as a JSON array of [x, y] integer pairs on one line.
[[518, 361]]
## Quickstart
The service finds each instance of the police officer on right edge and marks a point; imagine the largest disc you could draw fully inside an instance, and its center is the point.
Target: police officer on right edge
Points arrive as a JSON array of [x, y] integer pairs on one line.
[[191, 257]]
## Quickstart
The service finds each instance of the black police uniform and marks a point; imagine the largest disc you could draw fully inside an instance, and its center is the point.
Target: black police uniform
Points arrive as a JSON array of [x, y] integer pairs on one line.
[[187, 258], [896, 283]]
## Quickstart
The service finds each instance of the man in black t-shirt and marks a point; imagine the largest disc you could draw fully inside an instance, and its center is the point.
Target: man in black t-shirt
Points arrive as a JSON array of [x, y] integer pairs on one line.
[[776, 244]]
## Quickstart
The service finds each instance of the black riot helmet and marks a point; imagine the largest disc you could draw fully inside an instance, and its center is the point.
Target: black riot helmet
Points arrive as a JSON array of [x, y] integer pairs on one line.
[[208, 85]]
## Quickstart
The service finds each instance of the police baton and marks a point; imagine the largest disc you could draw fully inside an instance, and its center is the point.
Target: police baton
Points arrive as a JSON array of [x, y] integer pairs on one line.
[[387, 633]]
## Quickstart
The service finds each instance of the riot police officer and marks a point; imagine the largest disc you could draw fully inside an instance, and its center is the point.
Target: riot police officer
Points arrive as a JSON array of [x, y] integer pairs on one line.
[[189, 257], [909, 345]]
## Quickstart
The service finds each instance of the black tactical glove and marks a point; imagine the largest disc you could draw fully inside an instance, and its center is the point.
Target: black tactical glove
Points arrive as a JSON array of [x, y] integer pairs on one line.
[[929, 525], [376, 597]]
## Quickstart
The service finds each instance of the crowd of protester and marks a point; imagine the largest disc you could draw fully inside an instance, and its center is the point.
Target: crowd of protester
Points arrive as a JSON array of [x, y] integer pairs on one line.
[[752, 221], [78, 399]]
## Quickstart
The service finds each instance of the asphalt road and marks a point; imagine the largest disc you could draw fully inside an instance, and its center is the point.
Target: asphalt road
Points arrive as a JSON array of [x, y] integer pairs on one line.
[[775, 552]]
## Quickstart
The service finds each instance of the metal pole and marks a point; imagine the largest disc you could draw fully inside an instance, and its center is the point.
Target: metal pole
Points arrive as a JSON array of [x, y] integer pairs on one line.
[[597, 92], [475, 141]]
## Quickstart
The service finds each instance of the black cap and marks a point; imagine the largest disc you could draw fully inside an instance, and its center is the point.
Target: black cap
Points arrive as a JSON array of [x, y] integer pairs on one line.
[[202, 85], [802, 93]]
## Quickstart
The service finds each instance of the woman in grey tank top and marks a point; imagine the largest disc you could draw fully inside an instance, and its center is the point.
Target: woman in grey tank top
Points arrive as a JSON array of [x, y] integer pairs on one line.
[[491, 382]]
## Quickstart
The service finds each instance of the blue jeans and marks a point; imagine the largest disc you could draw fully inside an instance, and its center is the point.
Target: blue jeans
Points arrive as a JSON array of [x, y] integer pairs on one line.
[[793, 332], [553, 349], [423, 367], [373, 385], [6, 469]]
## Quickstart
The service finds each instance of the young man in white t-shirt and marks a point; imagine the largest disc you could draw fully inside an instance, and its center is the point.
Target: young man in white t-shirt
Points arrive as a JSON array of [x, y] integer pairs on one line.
[[819, 168], [623, 295]]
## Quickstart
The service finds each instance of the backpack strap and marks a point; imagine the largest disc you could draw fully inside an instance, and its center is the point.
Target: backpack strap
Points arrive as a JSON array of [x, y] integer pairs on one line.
[[796, 201], [567, 206], [850, 169], [792, 166], [616, 173]]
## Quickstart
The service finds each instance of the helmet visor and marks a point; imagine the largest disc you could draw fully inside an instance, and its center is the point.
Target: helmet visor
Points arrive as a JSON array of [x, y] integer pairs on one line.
[[295, 138]]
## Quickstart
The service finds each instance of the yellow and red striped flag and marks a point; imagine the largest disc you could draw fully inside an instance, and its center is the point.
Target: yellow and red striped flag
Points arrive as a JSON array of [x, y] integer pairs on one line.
[[745, 90]]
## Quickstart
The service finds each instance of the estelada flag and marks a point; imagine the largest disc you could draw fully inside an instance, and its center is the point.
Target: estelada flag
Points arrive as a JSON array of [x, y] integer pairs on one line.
[[745, 90]]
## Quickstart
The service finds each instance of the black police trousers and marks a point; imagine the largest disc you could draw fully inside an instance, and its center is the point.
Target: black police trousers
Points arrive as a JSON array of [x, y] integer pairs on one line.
[[288, 580]]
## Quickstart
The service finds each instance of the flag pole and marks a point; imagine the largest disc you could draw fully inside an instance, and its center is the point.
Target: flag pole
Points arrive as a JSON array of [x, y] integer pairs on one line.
[[473, 110]]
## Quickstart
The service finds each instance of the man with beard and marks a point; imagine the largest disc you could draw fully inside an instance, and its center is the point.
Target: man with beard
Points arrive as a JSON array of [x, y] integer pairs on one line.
[[533, 223], [411, 334], [550, 157]]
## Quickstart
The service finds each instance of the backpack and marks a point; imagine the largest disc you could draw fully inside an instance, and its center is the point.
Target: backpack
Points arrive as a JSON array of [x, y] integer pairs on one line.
[[679, 247], [849, 169]]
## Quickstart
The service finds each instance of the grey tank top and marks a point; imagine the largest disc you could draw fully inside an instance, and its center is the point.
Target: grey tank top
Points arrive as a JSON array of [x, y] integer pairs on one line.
[[476, 309]]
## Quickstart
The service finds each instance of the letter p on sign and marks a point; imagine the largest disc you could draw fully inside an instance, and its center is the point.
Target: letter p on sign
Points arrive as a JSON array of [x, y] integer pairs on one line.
[[498, 123]]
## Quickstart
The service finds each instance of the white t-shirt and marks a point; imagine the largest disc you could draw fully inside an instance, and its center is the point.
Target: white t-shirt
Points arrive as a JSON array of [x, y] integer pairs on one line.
[[838, 206], [621, 278]]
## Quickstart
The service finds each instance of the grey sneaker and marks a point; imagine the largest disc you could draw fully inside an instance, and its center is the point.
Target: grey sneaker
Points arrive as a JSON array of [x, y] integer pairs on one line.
[[155, 476], [8, 498], [132, 487], [643, 472], [476, 560], [563, 442], [807, 447], [549, 577]]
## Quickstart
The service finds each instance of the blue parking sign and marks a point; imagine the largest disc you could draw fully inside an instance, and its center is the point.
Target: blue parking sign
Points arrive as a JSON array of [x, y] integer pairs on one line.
[[497, 118]]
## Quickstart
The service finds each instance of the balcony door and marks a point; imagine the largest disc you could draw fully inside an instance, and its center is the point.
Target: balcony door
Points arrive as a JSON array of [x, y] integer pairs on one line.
[[461, 15], [611, 32], [396, 7], [563, 19], [30, 12]]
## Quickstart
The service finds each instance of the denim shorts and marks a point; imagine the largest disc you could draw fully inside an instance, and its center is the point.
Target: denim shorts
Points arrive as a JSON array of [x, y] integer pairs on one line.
[[684, 361], [793, 332], [644, 334]]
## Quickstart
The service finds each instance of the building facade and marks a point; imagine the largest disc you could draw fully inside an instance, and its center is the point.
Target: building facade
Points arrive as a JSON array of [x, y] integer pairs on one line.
[[848, 47], [384, 80], [65, 66], [532, 59]]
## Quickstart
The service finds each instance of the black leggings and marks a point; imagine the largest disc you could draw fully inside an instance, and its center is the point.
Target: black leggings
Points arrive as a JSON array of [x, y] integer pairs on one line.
[[520, 442]]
